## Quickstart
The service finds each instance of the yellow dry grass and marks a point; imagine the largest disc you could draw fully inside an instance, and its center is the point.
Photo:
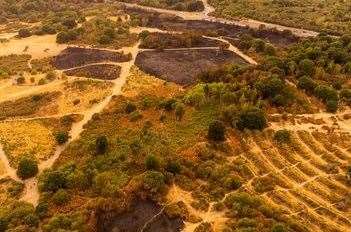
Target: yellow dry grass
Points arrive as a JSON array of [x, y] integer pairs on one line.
[[139, 83], [26, 137], [91, 93]]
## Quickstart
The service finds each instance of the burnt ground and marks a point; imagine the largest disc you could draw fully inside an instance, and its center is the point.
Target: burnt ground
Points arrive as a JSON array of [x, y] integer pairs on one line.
[[137, 216], [185, 40], [98, 71], [183, 67], [174, 23], [73, 56]]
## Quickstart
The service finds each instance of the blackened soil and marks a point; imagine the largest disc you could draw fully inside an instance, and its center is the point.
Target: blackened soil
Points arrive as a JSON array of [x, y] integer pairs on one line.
[[98, 71], [140, 216], [73, 56], [182, 67]]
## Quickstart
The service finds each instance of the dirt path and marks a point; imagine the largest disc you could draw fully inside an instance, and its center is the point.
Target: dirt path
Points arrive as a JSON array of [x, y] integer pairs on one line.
[[9, 171], [216, 218]]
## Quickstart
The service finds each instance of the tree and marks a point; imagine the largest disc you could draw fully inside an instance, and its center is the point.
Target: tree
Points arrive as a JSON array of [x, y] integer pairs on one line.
[[216, 131], [61, 197], [326, 93], [101, 145], [154, 181], [27, 168], [252, 118], [152, 162], [130, 107], [259, 45]]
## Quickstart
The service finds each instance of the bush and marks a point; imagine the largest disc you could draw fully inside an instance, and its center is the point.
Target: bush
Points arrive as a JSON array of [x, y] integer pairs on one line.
[[326, 93], [61, 137], [174, 167], [216, 131], [168, 104], [252, 118], [332, 106], [135, 116], [279, 227], [152, 162], [23, 33], [101, 145], [27, 168], [282, 136], [42, 209], [61, 197], [154, 181], [345, 95], [269, 50], [306, 83], [306, 67], [53, 181], [21, 80]]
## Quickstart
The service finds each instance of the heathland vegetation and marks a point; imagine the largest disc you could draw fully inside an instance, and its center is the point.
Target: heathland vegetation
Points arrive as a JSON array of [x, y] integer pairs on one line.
[[208, 127]]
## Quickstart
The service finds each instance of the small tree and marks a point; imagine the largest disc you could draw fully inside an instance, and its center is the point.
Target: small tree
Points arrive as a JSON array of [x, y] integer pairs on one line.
[[332, 106], [27, 168], [101, 145], [61, 197], [216, 131], [306, 67]]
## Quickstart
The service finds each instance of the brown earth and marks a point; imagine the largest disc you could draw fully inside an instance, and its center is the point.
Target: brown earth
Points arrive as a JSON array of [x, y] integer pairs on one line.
[[98, 71], [73, 56], [183, 66]]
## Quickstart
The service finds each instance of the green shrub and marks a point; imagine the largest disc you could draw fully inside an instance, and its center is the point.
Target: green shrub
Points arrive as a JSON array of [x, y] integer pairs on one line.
[[42, 209], [332, 106], [61, 197], [174, 167], [27, 168], [154, 181], [168, 104], [252, 118], [345, 95], [282, 136], [306, 67], [326, 93], [306, 83], [101, 145], [152, 162], [51, 181], [279, 227], [61, 137], [216, 131]]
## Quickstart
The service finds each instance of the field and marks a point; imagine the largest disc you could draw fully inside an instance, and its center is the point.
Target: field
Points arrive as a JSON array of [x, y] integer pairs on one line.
[[164, 116]]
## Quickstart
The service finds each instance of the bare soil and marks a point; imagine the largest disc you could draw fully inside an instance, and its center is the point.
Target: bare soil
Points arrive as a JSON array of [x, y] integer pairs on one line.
[[98, 71], [183, 66], [74, 56]]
